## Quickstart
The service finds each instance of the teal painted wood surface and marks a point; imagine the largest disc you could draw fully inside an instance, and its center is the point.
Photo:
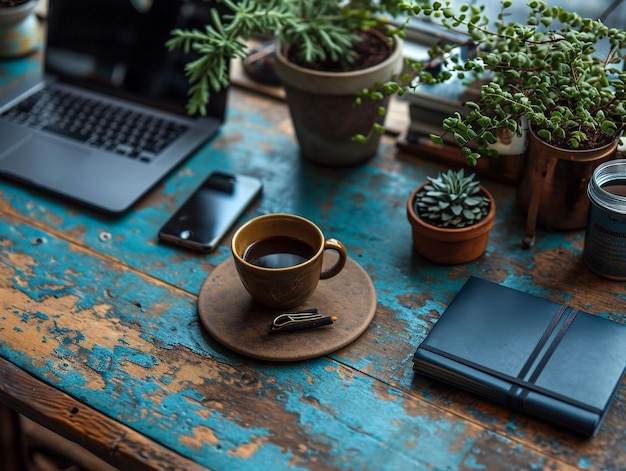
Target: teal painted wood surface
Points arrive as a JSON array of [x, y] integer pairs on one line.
[[142, 332], [103, 311]]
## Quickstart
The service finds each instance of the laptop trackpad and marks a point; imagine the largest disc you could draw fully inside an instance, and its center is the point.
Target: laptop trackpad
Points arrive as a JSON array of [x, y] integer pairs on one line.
[[42, 160]]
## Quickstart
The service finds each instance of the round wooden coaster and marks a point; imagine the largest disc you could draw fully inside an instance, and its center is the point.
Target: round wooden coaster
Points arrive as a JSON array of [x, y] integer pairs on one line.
[[232, 318]]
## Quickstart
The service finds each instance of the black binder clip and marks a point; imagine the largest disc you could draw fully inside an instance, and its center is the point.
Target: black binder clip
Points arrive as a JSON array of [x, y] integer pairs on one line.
[[302, 320]]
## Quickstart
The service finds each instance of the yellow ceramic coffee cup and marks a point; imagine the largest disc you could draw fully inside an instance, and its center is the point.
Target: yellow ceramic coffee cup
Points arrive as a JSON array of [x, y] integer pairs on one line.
[[279, 259]]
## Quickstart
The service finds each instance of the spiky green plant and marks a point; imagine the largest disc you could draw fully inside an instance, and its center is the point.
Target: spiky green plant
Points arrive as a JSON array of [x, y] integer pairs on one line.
[[324, 30], [452, 200]]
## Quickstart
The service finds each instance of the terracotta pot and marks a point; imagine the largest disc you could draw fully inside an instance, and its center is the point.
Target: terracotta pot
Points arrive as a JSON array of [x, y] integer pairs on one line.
[[450, 246], [323, 112], [553, 186]]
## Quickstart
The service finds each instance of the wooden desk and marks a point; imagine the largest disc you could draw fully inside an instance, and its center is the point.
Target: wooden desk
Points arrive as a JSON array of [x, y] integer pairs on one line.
[[100, 338]]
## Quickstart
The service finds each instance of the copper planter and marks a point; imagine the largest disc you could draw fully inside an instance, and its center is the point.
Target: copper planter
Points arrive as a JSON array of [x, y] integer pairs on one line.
[[553, 186]]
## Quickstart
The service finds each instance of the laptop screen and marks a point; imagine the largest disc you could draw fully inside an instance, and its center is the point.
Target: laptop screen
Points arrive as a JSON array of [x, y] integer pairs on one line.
[[118, 47]]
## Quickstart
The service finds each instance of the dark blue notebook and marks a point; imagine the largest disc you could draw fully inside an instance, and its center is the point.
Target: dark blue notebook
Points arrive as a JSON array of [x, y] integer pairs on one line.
[[532, 354]]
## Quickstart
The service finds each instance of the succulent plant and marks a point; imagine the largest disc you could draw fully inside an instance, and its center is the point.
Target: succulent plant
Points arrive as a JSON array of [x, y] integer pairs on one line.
[[452, 200]]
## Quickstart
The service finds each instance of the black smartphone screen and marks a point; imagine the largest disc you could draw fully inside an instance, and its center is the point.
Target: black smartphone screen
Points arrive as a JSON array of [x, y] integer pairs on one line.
[[210, 211]]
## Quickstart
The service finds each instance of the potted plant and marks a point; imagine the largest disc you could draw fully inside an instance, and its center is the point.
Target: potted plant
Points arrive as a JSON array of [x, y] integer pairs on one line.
[[323, 48], [19, 30], [564, 75], [451, 216]]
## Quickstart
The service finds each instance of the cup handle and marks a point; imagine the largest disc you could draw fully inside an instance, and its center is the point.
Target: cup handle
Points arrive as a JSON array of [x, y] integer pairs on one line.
[[334, 244]]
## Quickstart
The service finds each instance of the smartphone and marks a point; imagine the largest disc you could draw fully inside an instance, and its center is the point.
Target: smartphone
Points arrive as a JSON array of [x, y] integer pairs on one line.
[[209, 213]]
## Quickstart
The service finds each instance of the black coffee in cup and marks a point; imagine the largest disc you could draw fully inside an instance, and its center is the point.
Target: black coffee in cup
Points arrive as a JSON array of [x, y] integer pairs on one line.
[[280, 258], [278, 252]]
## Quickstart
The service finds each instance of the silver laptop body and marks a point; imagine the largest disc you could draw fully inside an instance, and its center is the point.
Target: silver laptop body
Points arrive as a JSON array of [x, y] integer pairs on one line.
[[106, 56]]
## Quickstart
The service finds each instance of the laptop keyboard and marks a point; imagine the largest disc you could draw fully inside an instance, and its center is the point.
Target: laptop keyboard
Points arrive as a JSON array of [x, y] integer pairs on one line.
[[125, 132]]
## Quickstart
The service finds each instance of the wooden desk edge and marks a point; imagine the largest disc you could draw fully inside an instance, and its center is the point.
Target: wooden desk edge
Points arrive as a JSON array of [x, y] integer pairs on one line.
[[106, 438]]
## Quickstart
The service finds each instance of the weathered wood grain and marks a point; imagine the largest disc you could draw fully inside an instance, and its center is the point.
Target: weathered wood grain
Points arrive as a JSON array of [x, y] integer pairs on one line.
[[112, 322], [112, 441], [132, 347]]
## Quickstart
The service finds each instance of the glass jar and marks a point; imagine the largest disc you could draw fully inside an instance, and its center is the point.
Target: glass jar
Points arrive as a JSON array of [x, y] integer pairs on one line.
[[605, 238]]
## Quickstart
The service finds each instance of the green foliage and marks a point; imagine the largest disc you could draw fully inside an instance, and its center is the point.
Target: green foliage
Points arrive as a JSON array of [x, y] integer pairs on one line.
[[560, 71], [452, 200], [550, 70], [323, 29]]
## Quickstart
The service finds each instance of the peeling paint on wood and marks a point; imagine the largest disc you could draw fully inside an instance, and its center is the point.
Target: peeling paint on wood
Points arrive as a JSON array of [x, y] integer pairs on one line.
[[112, 321]]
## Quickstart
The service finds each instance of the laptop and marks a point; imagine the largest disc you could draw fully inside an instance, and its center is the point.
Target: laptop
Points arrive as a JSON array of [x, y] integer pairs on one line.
[[107, 120]]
